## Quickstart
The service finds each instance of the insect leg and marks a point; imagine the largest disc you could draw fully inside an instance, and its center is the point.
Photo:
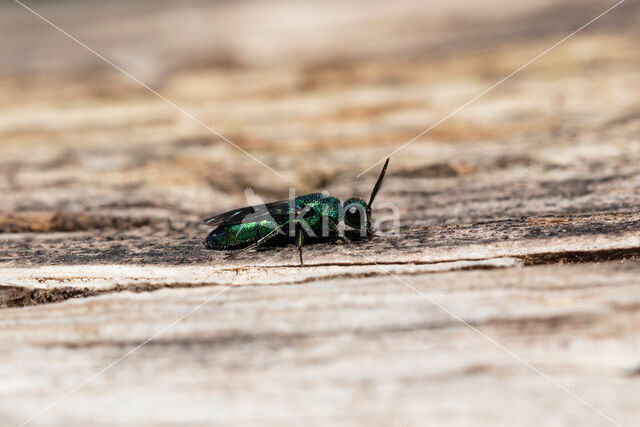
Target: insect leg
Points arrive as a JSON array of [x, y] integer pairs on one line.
[[335, 228], [300, 242], [267, 237]]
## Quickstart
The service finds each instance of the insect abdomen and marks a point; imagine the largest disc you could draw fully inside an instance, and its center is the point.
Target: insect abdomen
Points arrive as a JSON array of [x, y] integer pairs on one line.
[[238, 235]]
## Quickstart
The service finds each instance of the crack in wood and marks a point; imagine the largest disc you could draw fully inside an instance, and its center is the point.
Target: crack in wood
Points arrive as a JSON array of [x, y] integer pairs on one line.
[[16, 296]]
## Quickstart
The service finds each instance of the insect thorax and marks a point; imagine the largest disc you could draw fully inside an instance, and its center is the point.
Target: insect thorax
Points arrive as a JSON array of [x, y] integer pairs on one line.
[[319, 207]]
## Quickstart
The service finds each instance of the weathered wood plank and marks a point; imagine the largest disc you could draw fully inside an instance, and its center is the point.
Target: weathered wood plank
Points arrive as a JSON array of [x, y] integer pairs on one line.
[[104, 187], [349, 351]]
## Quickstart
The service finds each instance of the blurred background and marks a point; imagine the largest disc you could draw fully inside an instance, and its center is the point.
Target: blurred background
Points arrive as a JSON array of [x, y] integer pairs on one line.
[[318, 91]]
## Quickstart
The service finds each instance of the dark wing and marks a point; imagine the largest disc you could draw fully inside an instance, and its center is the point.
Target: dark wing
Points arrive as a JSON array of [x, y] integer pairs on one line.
[[255, 213]]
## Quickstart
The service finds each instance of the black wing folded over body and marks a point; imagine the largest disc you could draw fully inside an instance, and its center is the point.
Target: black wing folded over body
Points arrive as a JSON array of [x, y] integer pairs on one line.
[[274, 211]]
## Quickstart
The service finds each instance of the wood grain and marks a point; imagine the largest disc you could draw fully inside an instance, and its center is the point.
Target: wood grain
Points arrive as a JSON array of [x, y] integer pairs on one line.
[[519, 215]]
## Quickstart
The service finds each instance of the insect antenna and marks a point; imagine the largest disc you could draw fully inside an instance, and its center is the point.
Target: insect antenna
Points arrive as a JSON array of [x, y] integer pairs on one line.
[[377, 186]]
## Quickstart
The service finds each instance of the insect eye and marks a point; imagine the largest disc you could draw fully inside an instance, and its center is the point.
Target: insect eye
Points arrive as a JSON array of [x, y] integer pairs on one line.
[[352, 216]]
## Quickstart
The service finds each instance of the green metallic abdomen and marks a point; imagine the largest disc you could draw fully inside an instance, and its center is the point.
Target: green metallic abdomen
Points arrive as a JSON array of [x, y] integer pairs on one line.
[[239, 235]]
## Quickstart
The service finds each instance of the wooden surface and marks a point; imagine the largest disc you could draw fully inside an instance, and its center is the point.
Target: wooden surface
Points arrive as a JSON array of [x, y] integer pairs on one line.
[[519, 216]]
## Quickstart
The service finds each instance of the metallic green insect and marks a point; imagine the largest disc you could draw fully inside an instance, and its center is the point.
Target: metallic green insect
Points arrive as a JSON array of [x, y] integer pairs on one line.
[[311, 215]]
